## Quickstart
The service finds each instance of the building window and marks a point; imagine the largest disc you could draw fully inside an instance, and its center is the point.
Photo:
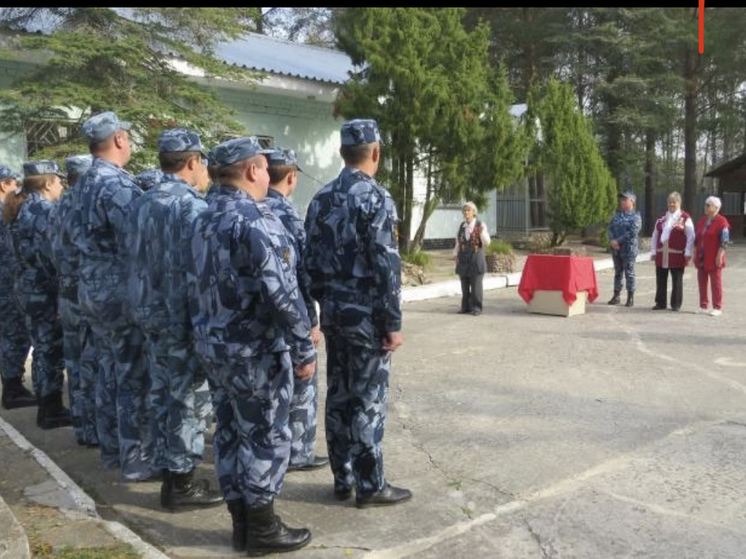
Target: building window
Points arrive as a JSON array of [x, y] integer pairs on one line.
[[45, 133]]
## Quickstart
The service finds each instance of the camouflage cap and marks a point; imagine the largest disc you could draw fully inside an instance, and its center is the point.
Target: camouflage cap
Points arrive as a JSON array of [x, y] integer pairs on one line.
[[360, 131], [78, 164], [41, 167], [6, 173], [179, 139], [149, 178], [211, 157], [101, 126], [237, 149], [280, 156], [629, 195]]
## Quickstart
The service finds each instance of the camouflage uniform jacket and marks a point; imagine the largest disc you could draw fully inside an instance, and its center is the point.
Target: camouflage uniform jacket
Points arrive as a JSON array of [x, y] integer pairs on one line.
[[293, 223], [158, 239], [625, 229], [104, 195], [64, 251], [36, 275], [8, 264], [352, 253], [243, 292]]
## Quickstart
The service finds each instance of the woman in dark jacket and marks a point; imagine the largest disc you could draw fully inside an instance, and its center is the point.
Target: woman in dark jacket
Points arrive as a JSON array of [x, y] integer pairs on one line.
[[468, 253]]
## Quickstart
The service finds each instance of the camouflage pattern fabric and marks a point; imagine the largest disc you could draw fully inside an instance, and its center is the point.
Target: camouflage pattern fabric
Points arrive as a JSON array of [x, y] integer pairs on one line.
[[251, 327], [15, 341], [159, 237], [252, 437], [304, 404], [353, 260], [104, 195], [78, 349], [37, 288], [180, 403], [625, 228]]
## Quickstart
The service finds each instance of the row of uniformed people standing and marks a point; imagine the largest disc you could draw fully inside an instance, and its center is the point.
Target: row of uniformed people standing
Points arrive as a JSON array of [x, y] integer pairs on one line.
[[131, 252], [25, 216]]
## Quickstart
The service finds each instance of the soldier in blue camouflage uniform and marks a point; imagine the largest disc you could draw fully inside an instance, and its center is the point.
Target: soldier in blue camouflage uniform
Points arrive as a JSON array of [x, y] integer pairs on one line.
[[353, 260], [80, 356], [252, 330], [159, 236], [26, 214], [104, 195], [623, 232], [283, 179], [15, 341], [149, 178]]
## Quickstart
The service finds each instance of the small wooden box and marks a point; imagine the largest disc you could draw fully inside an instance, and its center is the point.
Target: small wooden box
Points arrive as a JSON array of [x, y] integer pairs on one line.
[[551, 302]]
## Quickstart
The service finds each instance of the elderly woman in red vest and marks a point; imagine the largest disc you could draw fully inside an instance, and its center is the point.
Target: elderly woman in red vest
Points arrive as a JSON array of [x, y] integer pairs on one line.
[[468, 252], [712, 235], [671, 247]]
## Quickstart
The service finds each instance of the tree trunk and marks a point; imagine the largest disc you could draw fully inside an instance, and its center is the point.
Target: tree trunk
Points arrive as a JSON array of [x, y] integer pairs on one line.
[[650, 214], [691, 79]]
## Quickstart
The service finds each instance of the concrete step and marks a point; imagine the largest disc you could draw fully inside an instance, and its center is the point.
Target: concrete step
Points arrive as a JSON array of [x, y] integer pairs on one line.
[[13, 540]]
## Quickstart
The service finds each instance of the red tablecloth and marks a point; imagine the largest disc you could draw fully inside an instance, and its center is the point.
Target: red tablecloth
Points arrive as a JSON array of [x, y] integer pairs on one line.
[[568, 274]]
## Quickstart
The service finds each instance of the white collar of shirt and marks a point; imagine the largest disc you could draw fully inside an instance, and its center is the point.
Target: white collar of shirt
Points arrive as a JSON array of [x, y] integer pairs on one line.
[[671, 219], [470, 227]]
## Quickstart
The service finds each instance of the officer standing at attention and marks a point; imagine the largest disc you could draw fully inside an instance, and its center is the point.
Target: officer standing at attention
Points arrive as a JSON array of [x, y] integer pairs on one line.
[[80, 355], [283, 178], [104, 196], [26, 215], [251, 328], [623, 232], [353, 260], [160, 224], [15, 341]]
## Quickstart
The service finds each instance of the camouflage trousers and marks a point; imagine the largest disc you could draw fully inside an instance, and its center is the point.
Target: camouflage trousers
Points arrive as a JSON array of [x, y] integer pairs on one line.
[[303, 419], [81, 365], [252, 438], [15, 341], [624, 268], [122, 386], [357, 378], [179, 401], [47, 363]]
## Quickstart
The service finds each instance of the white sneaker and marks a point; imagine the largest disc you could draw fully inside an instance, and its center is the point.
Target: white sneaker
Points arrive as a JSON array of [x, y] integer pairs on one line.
[[700, 310], [716, 312]]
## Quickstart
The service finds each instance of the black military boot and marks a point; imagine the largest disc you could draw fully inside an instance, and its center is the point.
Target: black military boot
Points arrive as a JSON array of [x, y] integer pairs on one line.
[[182, 490], [15, 395], [237, 508], [615, 299], [266, 533], [52, 412], [630, 299]]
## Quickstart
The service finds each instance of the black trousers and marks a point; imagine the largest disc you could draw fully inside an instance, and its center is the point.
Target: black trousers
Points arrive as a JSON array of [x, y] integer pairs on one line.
[[471, 293], [661, 286]]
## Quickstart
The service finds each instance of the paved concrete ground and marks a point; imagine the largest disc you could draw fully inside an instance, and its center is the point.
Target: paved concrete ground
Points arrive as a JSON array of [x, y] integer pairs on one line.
[[618, 433]]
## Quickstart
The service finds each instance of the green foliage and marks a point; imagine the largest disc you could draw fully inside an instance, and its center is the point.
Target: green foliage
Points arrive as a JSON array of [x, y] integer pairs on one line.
[[97, 59], [581, 190], [416, 258], [442, 107], [120, 551], [497, 246]]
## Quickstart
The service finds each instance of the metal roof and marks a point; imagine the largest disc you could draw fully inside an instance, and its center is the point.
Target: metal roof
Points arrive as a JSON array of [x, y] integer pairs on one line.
[[286, 58], [727, 166]]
